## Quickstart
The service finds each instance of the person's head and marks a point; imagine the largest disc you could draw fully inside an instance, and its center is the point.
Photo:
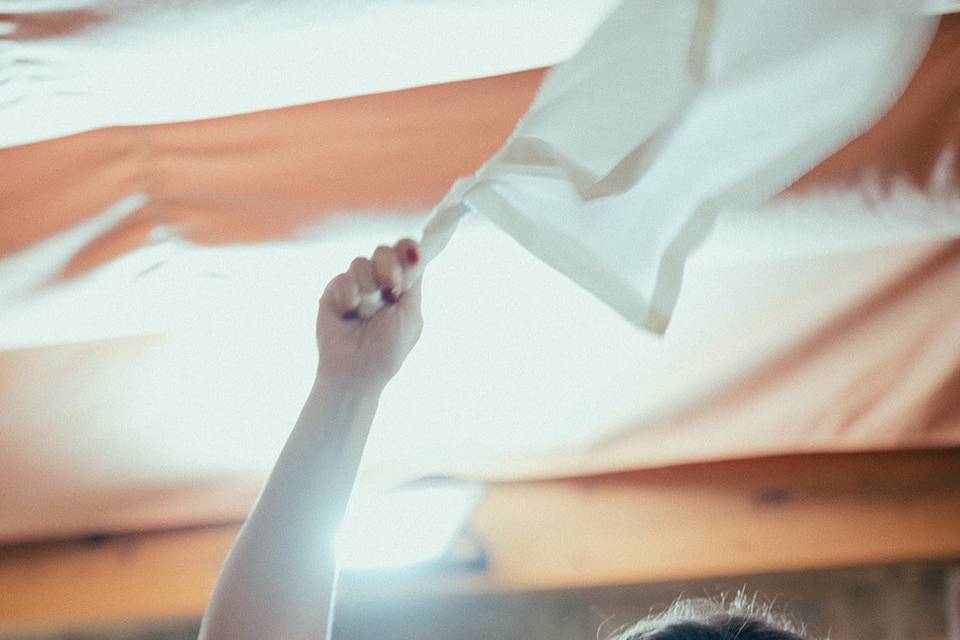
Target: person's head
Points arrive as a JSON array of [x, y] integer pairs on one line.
[[740, 618]]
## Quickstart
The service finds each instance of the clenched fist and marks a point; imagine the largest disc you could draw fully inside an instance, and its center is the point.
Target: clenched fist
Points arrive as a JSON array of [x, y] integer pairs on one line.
[[369, 316]]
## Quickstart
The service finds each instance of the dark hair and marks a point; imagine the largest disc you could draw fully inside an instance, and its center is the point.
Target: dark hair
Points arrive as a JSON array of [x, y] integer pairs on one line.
[[737, 618]]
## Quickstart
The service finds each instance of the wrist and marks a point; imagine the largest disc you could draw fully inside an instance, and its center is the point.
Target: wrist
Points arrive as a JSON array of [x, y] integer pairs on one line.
[[342, 383], [337, 415]]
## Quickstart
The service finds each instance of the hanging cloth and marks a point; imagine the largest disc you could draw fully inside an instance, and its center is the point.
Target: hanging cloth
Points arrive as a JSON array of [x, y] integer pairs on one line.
[[672, 112]]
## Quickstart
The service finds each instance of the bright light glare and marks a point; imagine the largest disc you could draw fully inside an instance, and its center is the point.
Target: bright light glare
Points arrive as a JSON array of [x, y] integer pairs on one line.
[[402, 528]]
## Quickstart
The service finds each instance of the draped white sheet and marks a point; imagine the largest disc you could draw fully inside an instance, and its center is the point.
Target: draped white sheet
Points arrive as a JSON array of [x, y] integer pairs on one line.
[[674, 111]]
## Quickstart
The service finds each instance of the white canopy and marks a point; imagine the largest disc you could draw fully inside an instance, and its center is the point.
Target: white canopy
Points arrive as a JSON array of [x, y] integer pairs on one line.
[[158, 281]]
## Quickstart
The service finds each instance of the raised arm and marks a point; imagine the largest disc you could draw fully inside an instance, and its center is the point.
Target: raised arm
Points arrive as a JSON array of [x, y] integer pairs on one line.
[[279, 578]]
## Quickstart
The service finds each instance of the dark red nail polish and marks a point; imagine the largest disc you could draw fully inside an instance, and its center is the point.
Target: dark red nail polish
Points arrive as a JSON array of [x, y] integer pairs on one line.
[[390, 295], [412, 256], [352, 315]]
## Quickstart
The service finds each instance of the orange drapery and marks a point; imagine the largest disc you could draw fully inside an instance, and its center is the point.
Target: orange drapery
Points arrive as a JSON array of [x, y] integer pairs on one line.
[[258, 176], [262, 175]]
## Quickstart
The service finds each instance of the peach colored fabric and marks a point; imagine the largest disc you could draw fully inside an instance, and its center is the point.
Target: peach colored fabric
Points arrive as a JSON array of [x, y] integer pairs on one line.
[[263, 175], [260, 176], [866, 360]]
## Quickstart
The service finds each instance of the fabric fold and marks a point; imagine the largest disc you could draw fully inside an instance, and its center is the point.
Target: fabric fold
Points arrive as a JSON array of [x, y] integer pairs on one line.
[[671, 113]]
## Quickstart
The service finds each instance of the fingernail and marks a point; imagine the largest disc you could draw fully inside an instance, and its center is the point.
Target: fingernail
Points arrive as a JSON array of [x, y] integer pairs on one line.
[[412, 256], [390, 295], [352, 315]]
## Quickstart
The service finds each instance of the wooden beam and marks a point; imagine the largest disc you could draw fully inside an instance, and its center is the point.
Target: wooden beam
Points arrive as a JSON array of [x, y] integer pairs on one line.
[[121, 579], [726, 518]]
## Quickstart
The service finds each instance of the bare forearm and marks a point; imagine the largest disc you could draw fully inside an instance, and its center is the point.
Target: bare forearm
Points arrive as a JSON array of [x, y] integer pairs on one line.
[[279, 578]]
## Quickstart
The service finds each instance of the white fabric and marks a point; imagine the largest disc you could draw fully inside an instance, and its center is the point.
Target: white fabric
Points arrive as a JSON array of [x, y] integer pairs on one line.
[[124, 62], [672, 112], [941, 7]]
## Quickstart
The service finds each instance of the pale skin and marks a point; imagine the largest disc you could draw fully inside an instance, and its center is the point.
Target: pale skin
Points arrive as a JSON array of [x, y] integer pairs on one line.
[[279, 579]]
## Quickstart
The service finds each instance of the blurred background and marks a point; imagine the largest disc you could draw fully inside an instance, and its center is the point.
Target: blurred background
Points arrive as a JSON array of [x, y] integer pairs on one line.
[[179, 179]]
